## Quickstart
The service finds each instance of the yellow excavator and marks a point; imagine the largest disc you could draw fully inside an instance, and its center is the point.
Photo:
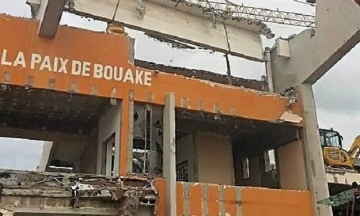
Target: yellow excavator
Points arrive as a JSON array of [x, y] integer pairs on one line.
[[334, 154]]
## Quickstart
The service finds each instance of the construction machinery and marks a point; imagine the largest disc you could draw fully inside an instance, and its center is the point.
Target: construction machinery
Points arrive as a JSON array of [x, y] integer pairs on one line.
[[334, 153]]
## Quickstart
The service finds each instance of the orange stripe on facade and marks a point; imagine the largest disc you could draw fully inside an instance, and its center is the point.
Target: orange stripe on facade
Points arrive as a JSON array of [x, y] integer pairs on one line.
[[258, 201], [91, 60]]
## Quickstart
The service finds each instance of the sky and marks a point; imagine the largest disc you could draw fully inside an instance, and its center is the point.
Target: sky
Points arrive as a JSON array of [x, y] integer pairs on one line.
[[337, 94]]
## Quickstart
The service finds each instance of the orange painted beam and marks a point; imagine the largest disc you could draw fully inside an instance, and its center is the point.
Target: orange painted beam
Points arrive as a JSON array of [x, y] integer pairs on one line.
[[93, 63]]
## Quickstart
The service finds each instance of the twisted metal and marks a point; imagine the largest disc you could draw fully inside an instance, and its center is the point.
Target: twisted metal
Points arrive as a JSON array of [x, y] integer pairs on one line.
[[237, 12]]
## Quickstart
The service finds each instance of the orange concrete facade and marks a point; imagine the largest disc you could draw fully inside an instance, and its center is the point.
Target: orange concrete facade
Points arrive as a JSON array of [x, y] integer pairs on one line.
[[199, 199], [91, 63], [92, 48]]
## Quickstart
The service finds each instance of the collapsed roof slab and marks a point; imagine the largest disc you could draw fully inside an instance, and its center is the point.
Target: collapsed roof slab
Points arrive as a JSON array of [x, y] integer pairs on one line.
[[92, 63], [204, 75], [184, 21]]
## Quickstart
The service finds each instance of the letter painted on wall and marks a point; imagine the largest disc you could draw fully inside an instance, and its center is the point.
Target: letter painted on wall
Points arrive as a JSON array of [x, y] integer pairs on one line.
[[61, 64]]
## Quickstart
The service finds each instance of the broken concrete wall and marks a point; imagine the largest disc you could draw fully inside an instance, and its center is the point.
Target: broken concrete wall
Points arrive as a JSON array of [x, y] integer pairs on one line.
[[109, 124], [292, 166], [45, 156], [214, 159], [75, 194], [185, 153], [204, 75]]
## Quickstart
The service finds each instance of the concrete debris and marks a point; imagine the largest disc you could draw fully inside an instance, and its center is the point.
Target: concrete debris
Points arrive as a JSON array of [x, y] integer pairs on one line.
[[83, 187], [79, 191], [204, 75], [173, 43], [290, 117], [291, 93], [289, 90], [339, 170]]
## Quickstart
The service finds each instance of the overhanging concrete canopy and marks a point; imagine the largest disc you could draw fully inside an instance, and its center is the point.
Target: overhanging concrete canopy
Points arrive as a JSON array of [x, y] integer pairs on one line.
[[313, 53], [185, 22]]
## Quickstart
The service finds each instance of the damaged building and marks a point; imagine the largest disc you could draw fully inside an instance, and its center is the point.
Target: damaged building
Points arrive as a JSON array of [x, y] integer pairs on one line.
[[125, 148]]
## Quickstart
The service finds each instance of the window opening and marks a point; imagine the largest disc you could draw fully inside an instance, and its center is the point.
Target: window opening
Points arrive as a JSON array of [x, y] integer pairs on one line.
[[269, 171], [147, 141], [269, 159], [245, 168]]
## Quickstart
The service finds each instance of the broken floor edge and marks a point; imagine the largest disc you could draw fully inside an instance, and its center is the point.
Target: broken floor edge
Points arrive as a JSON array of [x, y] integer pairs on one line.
[[61, 210], [204, 75], [84, 176]]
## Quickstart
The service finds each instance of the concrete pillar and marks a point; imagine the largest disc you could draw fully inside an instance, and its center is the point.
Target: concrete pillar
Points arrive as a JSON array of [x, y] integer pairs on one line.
[[169, 157], [268, 68], [315, 169], [127, 133], [50, 13]]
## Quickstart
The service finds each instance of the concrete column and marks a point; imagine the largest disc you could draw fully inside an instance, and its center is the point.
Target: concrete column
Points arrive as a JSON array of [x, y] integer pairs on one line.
[[50, 13], [169, 157], [315, 169], [269, 74], [127, 133]]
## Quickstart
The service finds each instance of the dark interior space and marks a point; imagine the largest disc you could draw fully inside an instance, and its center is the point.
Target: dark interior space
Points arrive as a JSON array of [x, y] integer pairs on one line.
[[66, 120], [249, 137], [50, 111], [251, 141]]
